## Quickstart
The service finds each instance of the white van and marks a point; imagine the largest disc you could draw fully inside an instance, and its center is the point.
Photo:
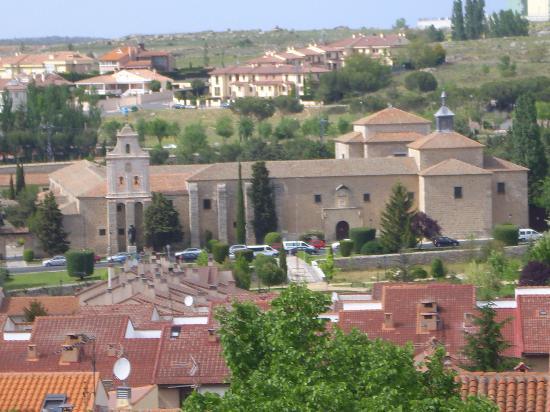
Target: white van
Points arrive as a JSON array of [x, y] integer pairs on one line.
[[263, 250], [293, 246], [528, 235]]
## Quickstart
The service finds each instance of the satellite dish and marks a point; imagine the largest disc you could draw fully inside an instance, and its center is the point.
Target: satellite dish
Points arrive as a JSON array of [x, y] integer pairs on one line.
[[122, 369], [188, 301]]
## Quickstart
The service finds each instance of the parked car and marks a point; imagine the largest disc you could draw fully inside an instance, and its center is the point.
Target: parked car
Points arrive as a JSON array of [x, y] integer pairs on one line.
[[528, 235], [444, 241], [118, 258], [178, 106], [188, 255], [234, 249], [97, 258], [294, 246], [318, 244], [263, 250], [55, 261]]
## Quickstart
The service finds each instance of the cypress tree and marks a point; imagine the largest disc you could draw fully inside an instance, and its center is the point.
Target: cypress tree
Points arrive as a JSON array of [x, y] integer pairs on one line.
[[19, 178], [396, 221], [525, 144], [241, 223], [479, 18], [282, 261], [12, 189], [47, 226], [469, 19], [457, 20], [263, 202]]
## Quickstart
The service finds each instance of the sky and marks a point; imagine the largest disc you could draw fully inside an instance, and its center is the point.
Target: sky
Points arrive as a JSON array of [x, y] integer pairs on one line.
[[117, 18]]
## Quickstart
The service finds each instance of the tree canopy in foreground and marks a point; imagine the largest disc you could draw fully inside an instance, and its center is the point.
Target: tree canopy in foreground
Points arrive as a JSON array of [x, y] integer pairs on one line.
[[285, 359]]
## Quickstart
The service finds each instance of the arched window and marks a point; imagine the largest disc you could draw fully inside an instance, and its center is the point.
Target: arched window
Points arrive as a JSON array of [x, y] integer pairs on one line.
[[136, 180], [127, 148], [121, 180]]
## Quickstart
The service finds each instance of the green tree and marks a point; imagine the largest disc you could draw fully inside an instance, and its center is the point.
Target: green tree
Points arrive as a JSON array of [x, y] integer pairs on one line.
[[162, 225], [202, 259], [287, 128], [19, 178], [158, 155], [285, 359], [263, 201], [282, 262], [421, 81], [160, 128], [224, 127], [109, 130], [47, 226], [241, 220], [506, 66], [484, 347], [265, 130], [192, 143], [11, 192], [457, 21], [7, 117], [400, 24], [258, 107], [396, 221], [246, 128], [80, 263], [155, 86], [242, 272], [526, 148], [540, 251], [35, 309]]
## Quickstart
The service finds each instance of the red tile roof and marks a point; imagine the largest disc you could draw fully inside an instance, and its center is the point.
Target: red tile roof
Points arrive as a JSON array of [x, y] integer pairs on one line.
[[393, 137], [391, 115], [54, 305], [445, 140], [534, 323], [511, 391], [25, 392]]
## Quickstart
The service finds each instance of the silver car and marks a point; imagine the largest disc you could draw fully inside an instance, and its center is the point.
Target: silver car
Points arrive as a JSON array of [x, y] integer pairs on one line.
[[55, 261]]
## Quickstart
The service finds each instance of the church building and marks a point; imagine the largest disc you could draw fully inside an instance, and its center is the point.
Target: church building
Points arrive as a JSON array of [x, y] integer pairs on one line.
[[448, 176]]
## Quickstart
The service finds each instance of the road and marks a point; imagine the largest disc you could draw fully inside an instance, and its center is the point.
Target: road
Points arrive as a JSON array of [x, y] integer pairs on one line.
[[40, 269]]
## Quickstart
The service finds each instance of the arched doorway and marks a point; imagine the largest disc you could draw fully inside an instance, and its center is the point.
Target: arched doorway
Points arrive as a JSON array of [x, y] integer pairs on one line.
[[342, 230]]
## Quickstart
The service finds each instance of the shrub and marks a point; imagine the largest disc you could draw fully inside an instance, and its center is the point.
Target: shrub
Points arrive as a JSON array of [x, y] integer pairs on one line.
[[507, 233], [247, 254], [28, 255], [488, 248], [268, 271], [541, 250], [418, 273], [346, 247], [210, 245], [273, 238], [361, 235], [202, 259], [437, 268], [372, 247], [241, 273], [220, 251], [80, 263], [421, 81], [535, 274], [327, 265]]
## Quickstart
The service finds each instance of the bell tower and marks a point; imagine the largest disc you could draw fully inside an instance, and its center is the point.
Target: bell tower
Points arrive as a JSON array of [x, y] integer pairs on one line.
[[128, 191], [444, 118]]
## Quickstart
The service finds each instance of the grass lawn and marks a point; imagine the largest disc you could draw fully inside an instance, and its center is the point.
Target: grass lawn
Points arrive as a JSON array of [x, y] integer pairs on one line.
[[33, 280]]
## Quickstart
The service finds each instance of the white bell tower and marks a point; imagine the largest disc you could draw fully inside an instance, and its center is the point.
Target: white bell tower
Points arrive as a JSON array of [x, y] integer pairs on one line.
[[128, 191]]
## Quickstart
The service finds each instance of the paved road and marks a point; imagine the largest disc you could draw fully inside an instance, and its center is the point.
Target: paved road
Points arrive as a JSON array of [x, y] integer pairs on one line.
[[34, 269], [299, 271]]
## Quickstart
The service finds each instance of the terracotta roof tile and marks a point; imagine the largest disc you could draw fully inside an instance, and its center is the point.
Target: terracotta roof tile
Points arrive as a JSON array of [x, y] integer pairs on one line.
[[500, 165], [453, 167], [445, 140], [118, 53], [511, 391], [534, 319], [25, 392], [391, 115], [39, 179], [54, 305], [351, 137]]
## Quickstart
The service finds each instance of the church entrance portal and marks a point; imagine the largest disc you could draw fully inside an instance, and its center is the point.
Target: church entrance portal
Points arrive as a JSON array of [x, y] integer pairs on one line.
[[342, 230]]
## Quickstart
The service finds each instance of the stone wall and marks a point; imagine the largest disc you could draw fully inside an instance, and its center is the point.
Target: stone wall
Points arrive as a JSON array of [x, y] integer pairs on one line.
[[418, 258]]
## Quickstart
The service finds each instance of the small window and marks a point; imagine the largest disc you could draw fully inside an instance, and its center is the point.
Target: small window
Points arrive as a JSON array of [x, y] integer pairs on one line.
[[120, 180], [119, 207], [136, 180], [366, 197], [121, 231], [175, 331], [458, 192], [207, 204], [102, 232], [411, 195], [317, 198], [127, 148], [501, 188]]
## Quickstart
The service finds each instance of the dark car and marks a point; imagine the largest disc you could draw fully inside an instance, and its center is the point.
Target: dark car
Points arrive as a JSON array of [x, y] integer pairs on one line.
[[189, 254], [444, 241]]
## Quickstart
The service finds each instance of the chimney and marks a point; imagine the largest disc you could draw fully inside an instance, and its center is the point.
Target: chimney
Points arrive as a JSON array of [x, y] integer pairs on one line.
[[388, 321], [111, 350], [123, 396], [212, 335], [70, 352], [32, 353]]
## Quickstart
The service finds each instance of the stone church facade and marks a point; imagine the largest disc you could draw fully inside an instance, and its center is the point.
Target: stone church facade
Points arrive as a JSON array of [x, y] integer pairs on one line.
[[448, 176]]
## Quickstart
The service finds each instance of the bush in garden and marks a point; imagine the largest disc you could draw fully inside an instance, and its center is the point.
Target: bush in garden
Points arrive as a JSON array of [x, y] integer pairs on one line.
[[361, 235], [80, 263], [220, 251], [506, 233], [346, 247], [372, 247]]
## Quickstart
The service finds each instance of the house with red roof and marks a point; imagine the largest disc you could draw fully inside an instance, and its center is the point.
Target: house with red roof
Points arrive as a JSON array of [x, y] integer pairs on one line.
[[135, 57]]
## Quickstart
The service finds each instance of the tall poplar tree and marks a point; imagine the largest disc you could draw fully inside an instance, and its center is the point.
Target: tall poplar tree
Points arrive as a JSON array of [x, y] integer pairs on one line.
[[469, 19], [396, 221], [241, 222], [457, 21], [263, 202], [526, 147], [19, 178]]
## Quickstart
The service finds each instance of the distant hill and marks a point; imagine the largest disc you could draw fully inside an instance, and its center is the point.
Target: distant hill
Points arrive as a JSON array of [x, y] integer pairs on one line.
[[46, 41]]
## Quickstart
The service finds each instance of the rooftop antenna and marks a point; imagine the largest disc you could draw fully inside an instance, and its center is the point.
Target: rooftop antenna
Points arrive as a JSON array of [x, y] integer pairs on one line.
[[188, 301]]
